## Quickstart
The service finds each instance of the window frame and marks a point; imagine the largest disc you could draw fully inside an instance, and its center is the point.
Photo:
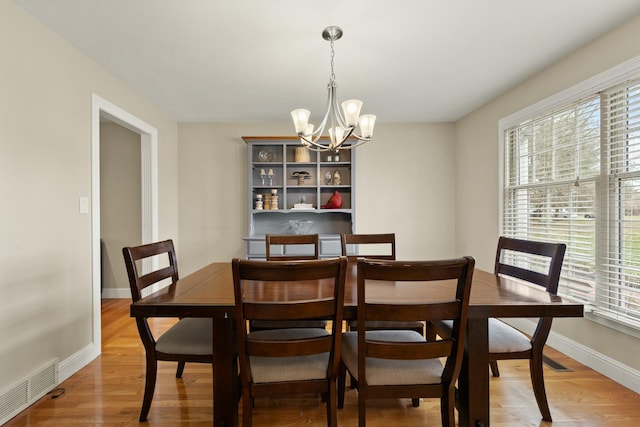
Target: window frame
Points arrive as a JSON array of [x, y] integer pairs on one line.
[[584, 89]]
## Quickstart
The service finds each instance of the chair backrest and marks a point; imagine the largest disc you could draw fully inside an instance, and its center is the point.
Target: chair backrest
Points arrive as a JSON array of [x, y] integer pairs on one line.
[[327, 304], [447, 301], [386, 242], [307, 247], [519, 258], [132, 257]]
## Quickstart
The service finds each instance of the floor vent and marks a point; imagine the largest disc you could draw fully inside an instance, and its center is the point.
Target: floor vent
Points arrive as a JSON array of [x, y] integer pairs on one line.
[[555, 365], [24, 393]]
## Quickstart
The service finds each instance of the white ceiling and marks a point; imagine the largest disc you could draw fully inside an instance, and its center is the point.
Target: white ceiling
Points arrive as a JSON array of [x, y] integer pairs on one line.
[[256, 60]]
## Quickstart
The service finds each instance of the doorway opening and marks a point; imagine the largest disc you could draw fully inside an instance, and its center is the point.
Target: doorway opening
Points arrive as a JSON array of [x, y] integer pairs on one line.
[[104, 110]]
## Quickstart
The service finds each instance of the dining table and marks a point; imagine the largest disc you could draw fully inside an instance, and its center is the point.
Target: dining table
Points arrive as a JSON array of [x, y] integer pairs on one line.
[[208, 292]]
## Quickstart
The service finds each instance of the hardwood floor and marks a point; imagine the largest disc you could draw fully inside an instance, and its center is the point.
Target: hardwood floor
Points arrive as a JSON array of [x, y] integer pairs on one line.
[[108, 392]]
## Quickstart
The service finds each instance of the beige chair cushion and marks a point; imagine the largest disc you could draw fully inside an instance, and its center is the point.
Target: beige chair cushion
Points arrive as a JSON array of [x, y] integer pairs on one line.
[[297, 368], [189, 336], [502, 337], [506, 339], [390, 372]]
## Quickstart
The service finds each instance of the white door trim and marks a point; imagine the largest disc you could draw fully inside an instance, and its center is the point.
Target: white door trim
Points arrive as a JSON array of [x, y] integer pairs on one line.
[[149, 183]]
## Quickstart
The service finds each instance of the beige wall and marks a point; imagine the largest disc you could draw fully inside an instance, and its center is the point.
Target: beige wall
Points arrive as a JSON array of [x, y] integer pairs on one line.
[[477, 171], [120, 202], [45, 167], [405, 184]]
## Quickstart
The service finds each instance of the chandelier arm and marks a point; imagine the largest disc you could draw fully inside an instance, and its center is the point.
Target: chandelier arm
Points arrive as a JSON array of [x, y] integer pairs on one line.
[[317, 133], [337, 112], [338, 120], [361, 138], [312, 144], [352, 146], [321, 147], [346, 136], [318, 150]]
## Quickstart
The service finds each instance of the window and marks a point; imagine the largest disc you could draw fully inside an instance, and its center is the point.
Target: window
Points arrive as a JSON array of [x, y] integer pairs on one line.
[[572, 175]]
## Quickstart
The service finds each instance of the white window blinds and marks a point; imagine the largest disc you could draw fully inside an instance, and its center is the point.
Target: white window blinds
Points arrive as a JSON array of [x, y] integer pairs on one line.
[[552, 164], [619, 266]]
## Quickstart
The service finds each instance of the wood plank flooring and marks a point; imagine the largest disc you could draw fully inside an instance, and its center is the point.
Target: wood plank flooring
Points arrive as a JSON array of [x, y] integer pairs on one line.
[[108, 392]]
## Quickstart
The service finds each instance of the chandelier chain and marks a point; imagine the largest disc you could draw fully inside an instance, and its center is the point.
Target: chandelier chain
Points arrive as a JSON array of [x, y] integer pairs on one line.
[[333, 76]]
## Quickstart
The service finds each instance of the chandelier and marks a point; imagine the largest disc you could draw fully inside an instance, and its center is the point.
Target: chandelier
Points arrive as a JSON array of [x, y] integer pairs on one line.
[[341, 123]]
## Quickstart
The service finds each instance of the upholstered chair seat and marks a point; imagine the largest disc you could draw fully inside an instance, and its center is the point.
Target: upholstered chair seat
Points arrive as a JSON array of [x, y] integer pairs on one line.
[[505, 339], [282, 369], [391, 371], [189, 336]]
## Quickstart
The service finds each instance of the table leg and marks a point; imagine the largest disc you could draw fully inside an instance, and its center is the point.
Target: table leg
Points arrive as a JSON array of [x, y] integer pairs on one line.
[[473, 383], [225, 373]]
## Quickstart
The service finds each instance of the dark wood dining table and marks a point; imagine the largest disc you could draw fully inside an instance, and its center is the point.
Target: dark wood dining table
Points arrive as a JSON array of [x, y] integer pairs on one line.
[[208, 292]]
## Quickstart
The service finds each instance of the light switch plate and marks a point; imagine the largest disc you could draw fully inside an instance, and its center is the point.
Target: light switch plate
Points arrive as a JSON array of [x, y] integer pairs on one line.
[[84, 205]]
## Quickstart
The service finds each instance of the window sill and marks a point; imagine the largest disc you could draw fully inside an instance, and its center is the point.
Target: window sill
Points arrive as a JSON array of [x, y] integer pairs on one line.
[[591, 313]]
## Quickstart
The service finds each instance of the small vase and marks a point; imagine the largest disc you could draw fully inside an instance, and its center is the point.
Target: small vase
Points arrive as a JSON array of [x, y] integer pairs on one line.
[[337, 178]]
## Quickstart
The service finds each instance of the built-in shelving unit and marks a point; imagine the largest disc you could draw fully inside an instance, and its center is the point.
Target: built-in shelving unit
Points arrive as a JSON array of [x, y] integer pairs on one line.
[[303, 182]]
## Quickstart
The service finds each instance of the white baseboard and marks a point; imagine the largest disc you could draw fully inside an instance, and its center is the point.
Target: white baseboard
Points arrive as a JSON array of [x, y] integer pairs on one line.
[[77, 361], [599, 362], [116, 293]]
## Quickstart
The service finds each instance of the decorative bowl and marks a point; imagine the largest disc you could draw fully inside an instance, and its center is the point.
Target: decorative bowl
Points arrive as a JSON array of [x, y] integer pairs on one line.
[[299, 226]]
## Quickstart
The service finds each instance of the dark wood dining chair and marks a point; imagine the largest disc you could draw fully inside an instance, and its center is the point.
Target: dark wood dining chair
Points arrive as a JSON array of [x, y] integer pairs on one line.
[[296, 360], [294, 247], [385, 247], [189, 340], [402, 363], [376, 246], [538, 263], [513, 258]]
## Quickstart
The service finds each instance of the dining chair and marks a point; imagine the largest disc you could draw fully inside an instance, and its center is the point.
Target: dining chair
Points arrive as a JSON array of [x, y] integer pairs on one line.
[[538, 263], [385, 247], [403, 363], [521, 259], [188, 340], [294, 247], [376, 246], [295, 360]]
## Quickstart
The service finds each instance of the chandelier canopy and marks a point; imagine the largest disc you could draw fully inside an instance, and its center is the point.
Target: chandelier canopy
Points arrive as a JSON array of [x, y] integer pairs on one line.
[[341, 123]]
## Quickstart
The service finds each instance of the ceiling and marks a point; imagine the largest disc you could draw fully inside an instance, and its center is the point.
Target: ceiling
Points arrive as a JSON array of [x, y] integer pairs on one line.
[[256, 60]]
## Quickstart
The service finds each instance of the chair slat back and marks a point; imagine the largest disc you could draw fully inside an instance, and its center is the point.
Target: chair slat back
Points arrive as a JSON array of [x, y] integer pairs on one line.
[[413, 311], [289, 242], [410, 350], [386, 241], [286, 311], [138, 280], [450, 304], [302, 347], [553, 253], [281, 274]]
